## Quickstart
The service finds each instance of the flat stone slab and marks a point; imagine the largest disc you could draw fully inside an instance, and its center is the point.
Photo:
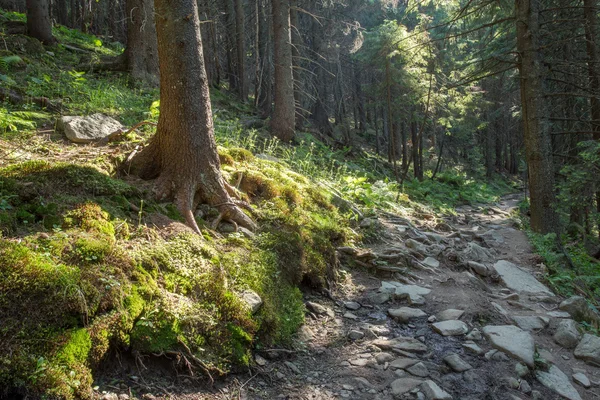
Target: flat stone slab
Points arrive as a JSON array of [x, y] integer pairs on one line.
[[88, 129], [433, 392], [449, 314], [588, 349], [431, 262], [401, 343], [530, 322], [513, 341], [456, 363], [450, 328], [405, 314], [557, 381], [413, 293], [403, 362], [404, 385], [519, 280]]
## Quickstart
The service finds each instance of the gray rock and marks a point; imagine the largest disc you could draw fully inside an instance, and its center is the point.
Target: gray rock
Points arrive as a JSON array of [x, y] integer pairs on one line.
[[403, 363], [351, 316], [319, 309], [413, 293], [475, 334], [293, 367], [456, 363], [478, 268], [521, 370], [449, 314], [450, 328], [546, 355], [511, 382], [558, 314], [431, 262], [416, 246], [382, 358], [576, 306], [588, 349], [433, 392], [557, 381], [475, 252], [405, 314], [404, 385], [355, 335], [351, 305], [530, 322], [581, 379], [567, 334], [525, 387], [419, 369], [519, 280], [401, 344], [513, 341], [88, 129], [252, 299], [473, 348], [380, 298]]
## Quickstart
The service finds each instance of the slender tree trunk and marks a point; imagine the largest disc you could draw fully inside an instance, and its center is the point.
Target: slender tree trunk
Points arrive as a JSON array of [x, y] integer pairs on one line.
[[38, 21], [141, 53], [283, 120], [232, 71], [404, 147], [538, 149], [296, 42], [240, 33], [264, 78], [591, 35], [183, 153]]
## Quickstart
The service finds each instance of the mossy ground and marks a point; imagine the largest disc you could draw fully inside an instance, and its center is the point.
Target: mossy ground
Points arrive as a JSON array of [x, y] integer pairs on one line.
[[90, 262]]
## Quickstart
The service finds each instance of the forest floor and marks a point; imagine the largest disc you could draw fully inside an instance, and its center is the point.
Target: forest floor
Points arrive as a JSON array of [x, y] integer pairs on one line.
[[352, 348]]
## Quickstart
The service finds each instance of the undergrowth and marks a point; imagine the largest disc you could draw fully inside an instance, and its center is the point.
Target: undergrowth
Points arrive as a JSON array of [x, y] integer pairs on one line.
[[90, 263]]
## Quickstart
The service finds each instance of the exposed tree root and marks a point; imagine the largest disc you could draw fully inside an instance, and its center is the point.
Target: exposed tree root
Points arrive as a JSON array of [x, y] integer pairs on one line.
[[15, 98]]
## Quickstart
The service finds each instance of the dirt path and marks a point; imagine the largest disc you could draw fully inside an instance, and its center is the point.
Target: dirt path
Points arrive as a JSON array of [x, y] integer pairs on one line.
[[430, 331]]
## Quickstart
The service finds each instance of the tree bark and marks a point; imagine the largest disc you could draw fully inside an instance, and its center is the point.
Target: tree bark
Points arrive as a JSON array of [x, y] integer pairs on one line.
[[39, 25], [141, 53], [536, 124], [240, 32], [283, 120], [183, 153]]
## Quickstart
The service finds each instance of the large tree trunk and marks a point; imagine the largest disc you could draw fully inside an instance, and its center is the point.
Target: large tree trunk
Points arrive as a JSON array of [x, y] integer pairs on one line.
[[38, 21], [183, 153], [538, 147], [141, 54], [283, 120]]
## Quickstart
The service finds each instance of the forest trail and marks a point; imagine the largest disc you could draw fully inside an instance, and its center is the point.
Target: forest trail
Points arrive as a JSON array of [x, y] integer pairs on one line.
[[352, 347]]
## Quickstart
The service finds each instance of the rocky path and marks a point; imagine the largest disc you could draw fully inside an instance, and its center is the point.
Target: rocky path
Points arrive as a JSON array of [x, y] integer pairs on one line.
[[453, 311]]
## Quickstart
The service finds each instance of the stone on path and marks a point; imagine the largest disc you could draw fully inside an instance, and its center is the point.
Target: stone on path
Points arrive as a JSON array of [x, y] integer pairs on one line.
[[413, 293], [588, 349], [449, 314], [382, 358], [558, 314], [557, 381], [582, 379], [419, 369], [478, 268], [355, 334], [473, 348], [88, 129], [513, 341], [403, 362], [379, 298], [431, 262], [475, 252], [319, 309], [349, 315], [351, 305], [401, 343], [518, 280], [567, 334], [530, 322], [405, 314], [456, 363], [450, 328], [577, 307], [404, 385], [433, 392], [475, 334]]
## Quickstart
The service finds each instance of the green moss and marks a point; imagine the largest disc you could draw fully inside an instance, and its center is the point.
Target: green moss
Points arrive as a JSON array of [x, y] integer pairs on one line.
[[240, 155], [91, 218], [77, 348]]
